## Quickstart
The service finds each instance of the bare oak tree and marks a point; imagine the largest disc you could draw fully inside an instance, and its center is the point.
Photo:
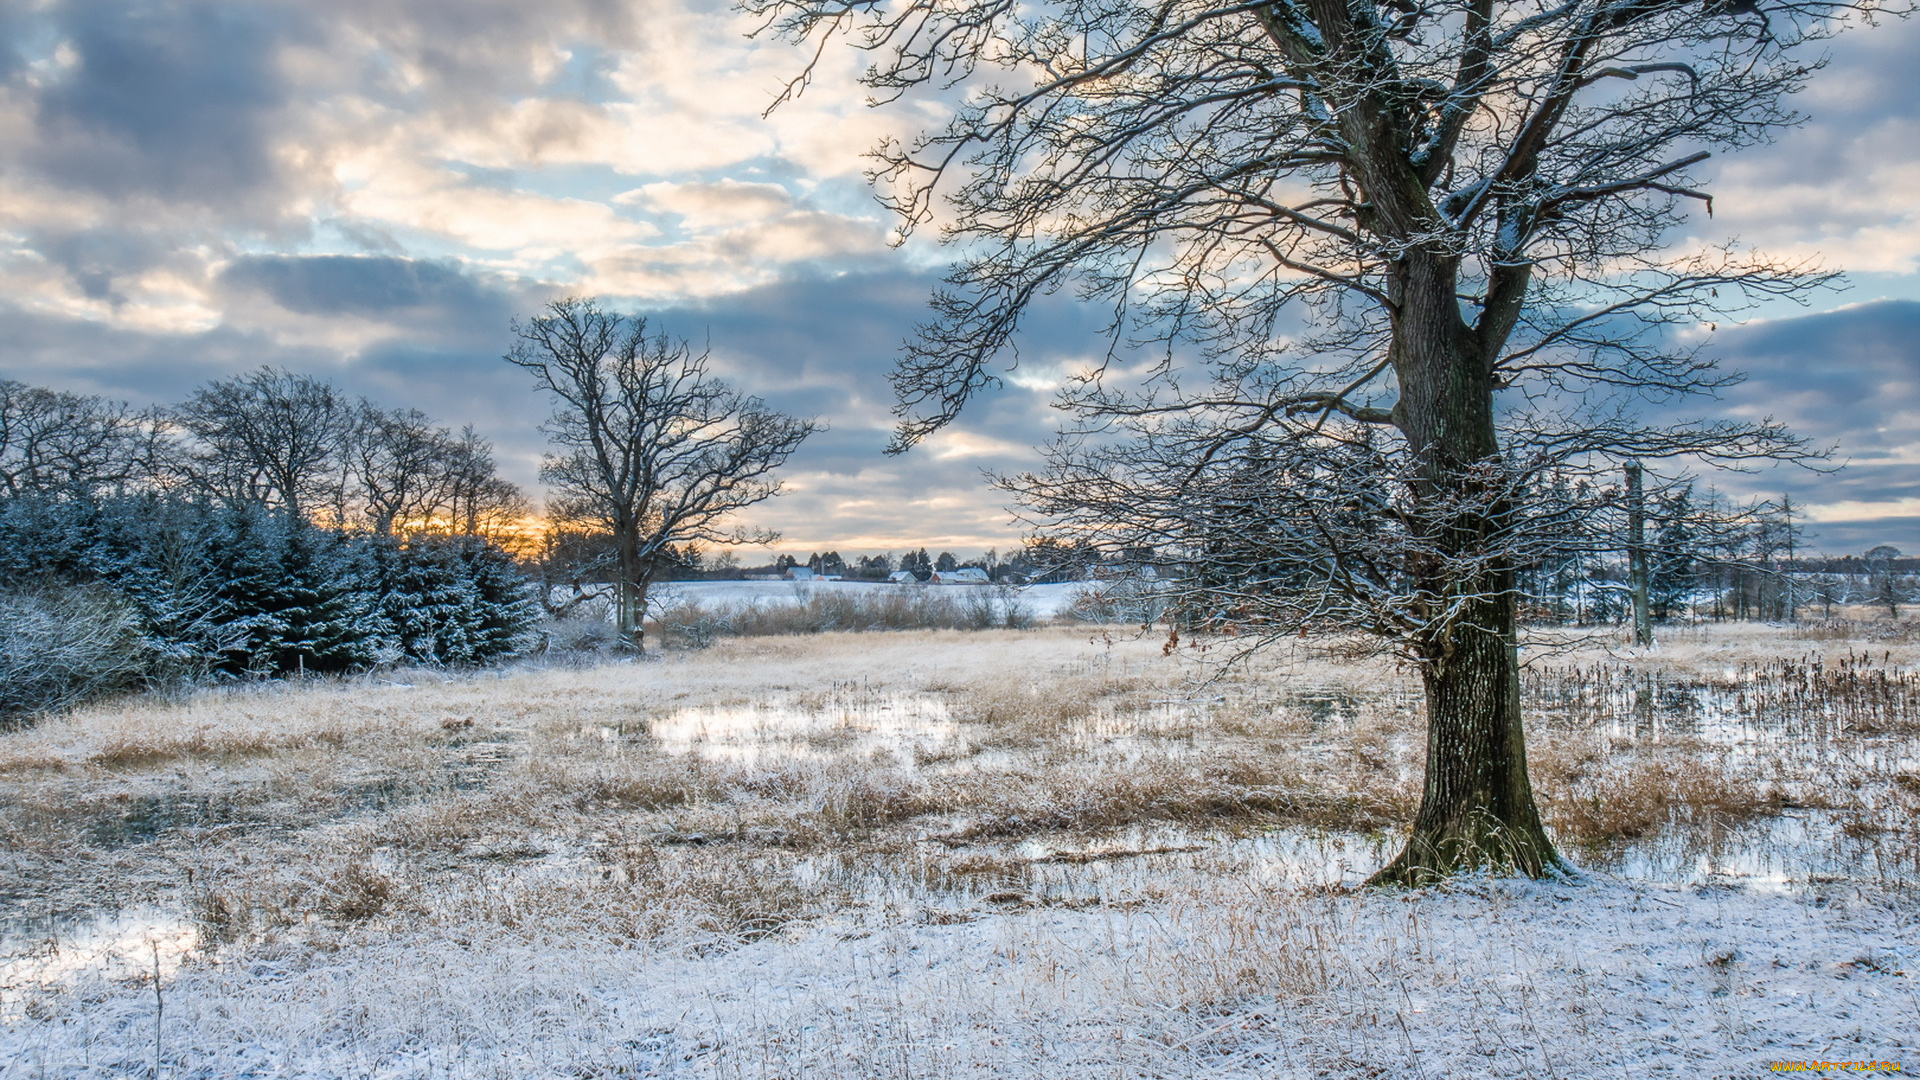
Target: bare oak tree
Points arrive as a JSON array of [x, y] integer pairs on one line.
[[403, 464], [479, 501], [412, 475], [650, 447], [53, 442], [1390, 265], [270, 437]]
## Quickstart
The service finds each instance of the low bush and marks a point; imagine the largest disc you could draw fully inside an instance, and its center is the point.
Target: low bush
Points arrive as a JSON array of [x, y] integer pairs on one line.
[[62, 646], [588, 628]]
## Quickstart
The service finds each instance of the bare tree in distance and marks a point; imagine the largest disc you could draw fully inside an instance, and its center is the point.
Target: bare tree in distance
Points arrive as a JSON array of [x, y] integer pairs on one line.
[[403, 463], [481, 502], [1378, 270], [651, 447], [53, 442], [270, 437], [415, 476], [1882, 569]]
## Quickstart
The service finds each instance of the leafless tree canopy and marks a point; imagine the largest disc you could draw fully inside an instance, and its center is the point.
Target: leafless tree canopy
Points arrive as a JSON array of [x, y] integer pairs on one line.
[[60, 443], [651, 447], [270, 437], [274, 438], [1319, 200], [401, 459], [1205, 166], [1397, 272], [412, 474]]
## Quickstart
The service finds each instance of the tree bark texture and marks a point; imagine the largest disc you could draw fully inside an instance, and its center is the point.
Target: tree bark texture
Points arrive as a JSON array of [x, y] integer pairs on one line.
[[1476, 808], [630, 591]]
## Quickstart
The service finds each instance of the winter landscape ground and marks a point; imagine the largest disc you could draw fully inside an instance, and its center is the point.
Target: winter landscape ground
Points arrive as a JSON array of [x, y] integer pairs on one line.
[[1057, 852]]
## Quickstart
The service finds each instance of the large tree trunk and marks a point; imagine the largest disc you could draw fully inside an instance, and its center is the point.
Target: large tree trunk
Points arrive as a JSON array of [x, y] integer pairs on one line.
[[630, 590], [1477, 809]]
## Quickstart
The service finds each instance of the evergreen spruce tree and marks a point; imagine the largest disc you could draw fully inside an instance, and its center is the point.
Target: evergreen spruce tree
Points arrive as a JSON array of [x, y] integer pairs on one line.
[[47, 539], [424, 601], [249, 559], [347, 626], [1675, 571], [243, 589], [168, 574], [507, 609]]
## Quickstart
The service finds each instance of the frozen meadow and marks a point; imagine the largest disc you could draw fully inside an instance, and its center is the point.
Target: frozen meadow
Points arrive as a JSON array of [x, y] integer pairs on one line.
[[1039, 601], [1055, 852]]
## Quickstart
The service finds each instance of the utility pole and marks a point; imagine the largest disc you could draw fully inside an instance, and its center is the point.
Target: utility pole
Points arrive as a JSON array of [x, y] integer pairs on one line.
[[1792, 601], [1637, 556]]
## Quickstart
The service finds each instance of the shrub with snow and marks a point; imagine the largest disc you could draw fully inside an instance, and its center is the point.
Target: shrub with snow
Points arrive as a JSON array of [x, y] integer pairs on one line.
[[62, 646]]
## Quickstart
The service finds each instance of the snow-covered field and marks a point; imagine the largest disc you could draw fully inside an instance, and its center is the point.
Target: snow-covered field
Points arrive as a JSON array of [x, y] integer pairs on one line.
[[1053, 853], [1597, 978], [1039, 601]]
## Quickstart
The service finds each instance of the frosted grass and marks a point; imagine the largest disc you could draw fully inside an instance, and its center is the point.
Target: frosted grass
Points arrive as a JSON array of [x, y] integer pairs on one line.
[[1225, 982], [934, 854]]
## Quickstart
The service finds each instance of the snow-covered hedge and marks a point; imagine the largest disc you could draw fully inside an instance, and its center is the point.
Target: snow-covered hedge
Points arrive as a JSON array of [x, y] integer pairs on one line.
[[211, 591]]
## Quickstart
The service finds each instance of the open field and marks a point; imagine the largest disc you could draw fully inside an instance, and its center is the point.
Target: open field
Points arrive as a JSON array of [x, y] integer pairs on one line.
[[1056, 852], [1037, 601]]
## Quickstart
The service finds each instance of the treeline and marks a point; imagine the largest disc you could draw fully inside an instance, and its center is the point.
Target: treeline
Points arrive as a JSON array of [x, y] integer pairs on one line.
[[269, 439], [1708, 557], [1571, 538], [267, 525], [575, 565], [1040, 560], [1026, 565]]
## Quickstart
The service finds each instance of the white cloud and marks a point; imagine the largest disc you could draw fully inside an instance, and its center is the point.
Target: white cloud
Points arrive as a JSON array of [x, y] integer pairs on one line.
[[711, 205], [1845, 188], [725, 260], [535, 226], [1863, 511]]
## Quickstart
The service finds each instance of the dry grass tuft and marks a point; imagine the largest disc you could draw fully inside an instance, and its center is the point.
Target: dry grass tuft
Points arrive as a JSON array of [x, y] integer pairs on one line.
[[628, 782], [358, 891], [1634, 796]]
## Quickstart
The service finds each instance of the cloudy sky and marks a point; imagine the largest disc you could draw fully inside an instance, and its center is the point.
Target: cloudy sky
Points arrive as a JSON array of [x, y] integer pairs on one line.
[[369, 190]]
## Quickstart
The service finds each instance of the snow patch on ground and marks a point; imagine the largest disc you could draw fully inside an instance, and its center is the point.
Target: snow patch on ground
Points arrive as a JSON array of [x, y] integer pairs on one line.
[[1484, 979], [1039, 601]]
